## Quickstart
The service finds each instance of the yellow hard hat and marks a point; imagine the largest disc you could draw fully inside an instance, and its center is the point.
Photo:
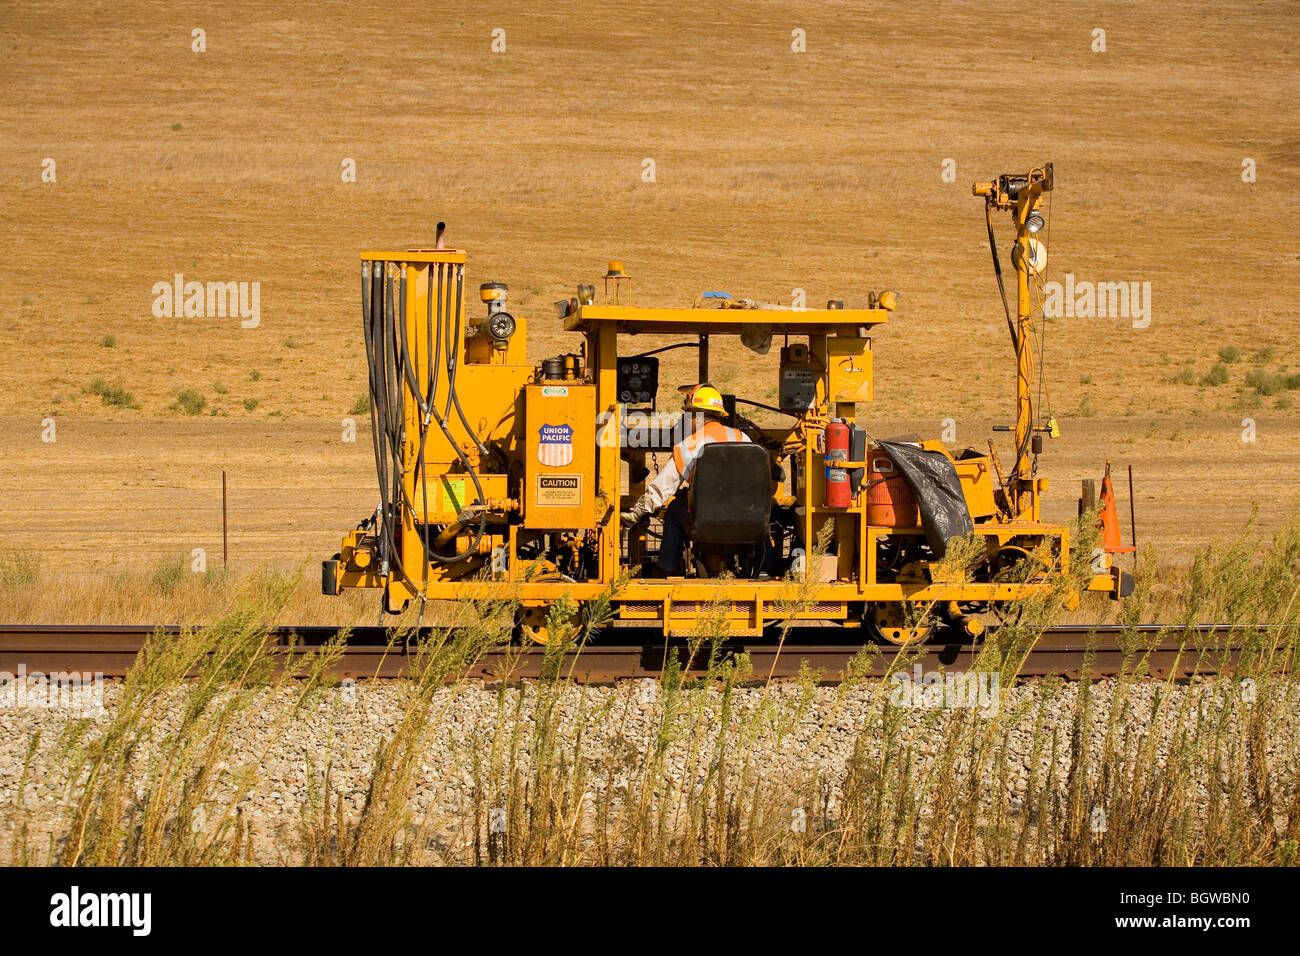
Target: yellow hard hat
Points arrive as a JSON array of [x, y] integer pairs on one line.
[[705, 398]]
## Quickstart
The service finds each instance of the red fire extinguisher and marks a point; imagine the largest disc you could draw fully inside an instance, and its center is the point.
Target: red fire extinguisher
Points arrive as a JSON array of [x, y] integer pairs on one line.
[[837, 476]]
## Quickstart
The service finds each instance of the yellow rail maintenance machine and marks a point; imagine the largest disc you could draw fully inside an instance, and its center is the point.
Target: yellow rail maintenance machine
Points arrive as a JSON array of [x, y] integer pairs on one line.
[[498, 476]]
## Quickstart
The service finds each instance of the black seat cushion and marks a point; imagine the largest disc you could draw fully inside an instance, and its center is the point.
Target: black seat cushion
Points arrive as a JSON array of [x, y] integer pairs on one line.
[[731, 493]]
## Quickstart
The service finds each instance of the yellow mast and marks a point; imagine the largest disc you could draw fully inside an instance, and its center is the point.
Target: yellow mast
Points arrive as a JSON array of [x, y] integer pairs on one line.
[[1021, 195]]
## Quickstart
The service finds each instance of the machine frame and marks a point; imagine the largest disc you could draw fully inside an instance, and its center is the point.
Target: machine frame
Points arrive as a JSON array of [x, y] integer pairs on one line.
[[539, 523]]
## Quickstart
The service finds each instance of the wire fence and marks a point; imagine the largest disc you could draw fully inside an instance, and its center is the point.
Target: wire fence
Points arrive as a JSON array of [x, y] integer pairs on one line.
[[107, 529]]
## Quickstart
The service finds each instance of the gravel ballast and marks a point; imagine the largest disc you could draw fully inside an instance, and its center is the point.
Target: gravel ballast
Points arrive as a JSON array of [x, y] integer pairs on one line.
[[791, 733]]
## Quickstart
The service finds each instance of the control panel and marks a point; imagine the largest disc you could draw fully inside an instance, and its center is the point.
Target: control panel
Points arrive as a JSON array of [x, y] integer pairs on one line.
[[638, 380], [799, 377]]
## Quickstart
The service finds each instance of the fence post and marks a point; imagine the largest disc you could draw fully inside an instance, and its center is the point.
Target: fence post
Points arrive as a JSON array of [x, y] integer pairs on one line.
[[225, 548]]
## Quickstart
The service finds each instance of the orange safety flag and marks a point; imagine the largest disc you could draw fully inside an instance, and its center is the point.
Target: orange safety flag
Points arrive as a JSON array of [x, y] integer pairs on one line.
[[1110, 538]]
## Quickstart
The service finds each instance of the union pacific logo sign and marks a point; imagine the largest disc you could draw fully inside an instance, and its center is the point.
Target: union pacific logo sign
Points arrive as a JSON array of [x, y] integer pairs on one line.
[[555, 445]]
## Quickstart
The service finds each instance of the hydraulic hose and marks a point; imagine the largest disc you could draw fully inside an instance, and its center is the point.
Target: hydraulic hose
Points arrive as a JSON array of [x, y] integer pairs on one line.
[[428, 407], [450, 298], [420, 473], [391, 372], [373, 300], [455, 396], [393, 432], [1023, 449], [997, 271], [407, 365]]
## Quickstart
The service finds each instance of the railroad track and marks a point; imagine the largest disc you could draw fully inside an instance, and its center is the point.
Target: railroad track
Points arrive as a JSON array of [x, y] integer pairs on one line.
[[111, 650]]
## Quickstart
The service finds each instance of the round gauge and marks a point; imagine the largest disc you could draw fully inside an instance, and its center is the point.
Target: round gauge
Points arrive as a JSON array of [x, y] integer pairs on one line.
[[501, 326]]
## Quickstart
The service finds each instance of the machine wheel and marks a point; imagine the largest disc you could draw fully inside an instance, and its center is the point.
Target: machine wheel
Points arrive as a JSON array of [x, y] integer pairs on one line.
[[890, 622], [532, 629], [1007, 569]]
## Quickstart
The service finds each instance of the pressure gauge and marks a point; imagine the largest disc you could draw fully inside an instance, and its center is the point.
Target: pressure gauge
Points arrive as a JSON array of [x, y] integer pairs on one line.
[[500, 326]]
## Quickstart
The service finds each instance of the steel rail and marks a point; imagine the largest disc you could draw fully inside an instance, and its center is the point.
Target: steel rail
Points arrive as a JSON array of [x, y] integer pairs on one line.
[[1068, 651]]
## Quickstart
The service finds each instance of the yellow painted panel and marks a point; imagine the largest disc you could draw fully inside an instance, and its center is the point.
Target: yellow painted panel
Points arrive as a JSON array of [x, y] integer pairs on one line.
[[454, 256], [848, 363], [488, 394], [450, 493], [976, 476], [560, 455]]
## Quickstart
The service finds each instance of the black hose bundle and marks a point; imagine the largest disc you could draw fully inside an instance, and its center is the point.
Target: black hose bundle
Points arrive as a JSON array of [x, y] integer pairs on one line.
[[390, 365], [428, 403], [387, 444]]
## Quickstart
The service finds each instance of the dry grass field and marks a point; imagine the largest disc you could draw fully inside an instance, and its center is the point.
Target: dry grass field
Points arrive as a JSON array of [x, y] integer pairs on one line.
[[774, 170]]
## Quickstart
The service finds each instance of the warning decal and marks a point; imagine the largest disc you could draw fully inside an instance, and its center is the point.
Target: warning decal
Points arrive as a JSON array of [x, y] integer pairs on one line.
[[559, 490], [453, 495]]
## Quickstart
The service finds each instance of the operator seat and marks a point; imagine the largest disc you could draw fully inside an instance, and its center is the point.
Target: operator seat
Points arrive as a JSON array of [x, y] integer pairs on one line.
[[731, 501]]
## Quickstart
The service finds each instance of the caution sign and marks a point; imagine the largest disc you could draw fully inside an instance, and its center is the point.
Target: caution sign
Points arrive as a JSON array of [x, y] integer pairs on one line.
[[559, 490]]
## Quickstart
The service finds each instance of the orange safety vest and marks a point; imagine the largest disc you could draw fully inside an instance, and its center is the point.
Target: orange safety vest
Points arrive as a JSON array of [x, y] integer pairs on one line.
[[687, 451]]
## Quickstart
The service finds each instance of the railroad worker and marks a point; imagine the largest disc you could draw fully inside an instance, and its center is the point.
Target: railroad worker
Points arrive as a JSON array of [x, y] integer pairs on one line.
[[703, 412]]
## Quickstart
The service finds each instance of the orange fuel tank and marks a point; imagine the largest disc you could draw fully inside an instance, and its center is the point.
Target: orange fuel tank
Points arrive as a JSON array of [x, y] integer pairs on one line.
[[890, 502]]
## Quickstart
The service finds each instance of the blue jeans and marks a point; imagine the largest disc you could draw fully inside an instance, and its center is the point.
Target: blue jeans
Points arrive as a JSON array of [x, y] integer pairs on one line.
[[677, 518]]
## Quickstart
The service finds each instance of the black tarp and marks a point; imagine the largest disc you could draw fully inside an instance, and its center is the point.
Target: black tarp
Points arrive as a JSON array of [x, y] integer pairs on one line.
[[937, 488]]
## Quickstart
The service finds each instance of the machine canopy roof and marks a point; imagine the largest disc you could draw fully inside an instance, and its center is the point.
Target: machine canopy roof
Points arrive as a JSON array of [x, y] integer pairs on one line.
[[625, 319]]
